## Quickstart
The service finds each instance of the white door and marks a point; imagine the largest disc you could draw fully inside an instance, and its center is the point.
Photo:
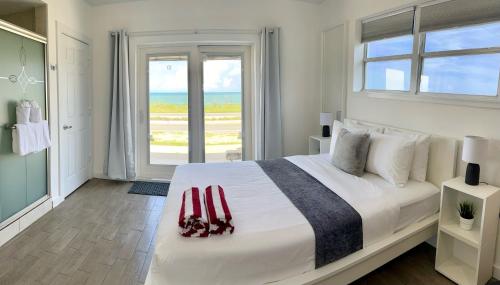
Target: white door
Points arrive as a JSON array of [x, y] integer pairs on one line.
[[333, 71], [74, 113], [194, 106]]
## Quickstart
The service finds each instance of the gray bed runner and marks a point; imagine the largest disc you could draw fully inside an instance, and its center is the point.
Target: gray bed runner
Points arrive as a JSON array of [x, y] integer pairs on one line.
[[338, 228]]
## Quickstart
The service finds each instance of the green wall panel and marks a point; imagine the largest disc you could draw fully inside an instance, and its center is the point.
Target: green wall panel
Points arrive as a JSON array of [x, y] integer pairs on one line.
[[23, 179]]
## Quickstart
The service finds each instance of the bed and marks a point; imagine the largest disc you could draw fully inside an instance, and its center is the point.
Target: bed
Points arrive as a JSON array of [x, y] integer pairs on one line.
[[275, 243]]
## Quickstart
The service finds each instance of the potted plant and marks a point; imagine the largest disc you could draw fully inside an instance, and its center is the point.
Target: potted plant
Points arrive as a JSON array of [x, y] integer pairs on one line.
[[466, 210]]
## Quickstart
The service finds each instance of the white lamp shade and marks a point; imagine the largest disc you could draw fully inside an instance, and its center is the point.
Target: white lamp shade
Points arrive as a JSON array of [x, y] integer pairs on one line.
[[475, 149], [325, 119]]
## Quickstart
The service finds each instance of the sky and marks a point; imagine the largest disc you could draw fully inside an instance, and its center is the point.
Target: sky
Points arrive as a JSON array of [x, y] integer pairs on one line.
[[171, 76], [472, 74]]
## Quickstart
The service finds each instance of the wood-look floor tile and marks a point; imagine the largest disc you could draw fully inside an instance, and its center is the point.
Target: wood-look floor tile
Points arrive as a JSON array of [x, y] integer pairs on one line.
[[116, 273], [61, 280], [100, 235], [98, 275]]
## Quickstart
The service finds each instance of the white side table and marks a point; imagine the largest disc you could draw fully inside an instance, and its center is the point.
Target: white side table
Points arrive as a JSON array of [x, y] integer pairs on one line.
[[466, 257], [319, 144]]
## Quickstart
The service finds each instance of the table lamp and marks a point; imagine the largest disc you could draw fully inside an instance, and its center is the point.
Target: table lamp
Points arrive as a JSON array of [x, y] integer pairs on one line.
[[474, 152], [326, 120]]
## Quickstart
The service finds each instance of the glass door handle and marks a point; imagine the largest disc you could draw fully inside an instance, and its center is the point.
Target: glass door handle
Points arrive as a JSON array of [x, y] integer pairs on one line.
[[67, 127]]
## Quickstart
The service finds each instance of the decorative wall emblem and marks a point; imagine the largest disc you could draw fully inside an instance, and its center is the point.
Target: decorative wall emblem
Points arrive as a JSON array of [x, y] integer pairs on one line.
[[23, 79]]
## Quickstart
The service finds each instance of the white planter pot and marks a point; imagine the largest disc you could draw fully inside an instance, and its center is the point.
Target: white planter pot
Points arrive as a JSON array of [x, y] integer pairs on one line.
[[466, 224]]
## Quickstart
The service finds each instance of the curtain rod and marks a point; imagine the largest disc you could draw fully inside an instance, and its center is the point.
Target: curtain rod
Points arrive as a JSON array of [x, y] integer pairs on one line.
[[191, 32]]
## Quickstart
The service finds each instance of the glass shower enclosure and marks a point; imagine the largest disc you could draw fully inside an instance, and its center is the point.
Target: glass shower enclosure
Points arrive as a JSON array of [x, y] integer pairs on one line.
[[23, 179]]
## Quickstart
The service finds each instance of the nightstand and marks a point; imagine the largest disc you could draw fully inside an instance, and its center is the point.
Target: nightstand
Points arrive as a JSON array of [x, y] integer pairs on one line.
[[466, 257], [319, 144]]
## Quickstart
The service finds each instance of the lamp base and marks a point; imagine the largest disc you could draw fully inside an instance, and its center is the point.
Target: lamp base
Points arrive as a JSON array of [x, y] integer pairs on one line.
[[472, 174], [326, 131]]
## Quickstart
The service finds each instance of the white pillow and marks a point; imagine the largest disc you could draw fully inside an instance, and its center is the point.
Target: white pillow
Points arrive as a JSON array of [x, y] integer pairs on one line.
[[337, 126], [390, 157], [350, 123], [421, 157]]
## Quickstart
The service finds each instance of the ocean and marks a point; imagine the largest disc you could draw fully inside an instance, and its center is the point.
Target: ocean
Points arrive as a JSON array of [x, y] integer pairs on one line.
[[182, 98]]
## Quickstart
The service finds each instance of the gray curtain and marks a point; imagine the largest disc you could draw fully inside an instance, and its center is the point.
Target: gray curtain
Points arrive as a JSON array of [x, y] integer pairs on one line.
[[271, 137], [120, 162]]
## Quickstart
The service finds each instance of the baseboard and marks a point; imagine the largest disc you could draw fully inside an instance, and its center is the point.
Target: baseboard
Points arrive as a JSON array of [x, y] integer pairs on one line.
[[57, 200], [496, 271], [144, 179], [105, 177], [24, 221], [100, 176]]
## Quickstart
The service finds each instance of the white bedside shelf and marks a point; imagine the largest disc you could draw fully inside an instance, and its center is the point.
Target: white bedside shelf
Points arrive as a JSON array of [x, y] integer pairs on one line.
[[319, 144], [471, 238], [466, 257], [457, 271]]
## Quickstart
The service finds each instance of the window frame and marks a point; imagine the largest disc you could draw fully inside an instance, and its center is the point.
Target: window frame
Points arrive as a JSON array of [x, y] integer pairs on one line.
[[417, 59], [366, 60]]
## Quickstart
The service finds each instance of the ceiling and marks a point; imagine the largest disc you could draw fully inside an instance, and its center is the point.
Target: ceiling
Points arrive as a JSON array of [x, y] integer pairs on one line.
[[313, 1], [103, 2], [8, 7]]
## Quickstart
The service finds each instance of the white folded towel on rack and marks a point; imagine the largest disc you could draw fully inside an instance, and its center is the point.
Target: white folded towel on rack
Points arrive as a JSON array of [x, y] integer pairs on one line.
[[35, 112], [23, 112], [30, 137]]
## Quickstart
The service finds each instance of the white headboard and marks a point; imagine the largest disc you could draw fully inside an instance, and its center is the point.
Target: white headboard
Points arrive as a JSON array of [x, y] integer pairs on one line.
[[442, 156]]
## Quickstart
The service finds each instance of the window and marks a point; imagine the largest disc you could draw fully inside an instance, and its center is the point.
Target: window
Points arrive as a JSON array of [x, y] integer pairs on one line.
[[448, 49], [388, 64], [389, 51], [462, 61]]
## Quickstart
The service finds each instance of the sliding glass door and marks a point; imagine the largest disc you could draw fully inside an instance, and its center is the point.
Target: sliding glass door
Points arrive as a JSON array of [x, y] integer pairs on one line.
[[195, 108]]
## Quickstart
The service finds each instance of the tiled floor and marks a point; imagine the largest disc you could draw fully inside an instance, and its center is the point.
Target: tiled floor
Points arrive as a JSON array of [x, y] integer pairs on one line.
[[102, 235], [98, 235]]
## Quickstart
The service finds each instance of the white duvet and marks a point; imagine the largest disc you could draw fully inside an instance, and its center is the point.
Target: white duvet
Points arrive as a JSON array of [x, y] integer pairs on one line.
[[272, 240]]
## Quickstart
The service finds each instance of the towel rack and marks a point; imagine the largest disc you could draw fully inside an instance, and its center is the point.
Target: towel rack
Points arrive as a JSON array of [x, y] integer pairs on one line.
[[10, 127]]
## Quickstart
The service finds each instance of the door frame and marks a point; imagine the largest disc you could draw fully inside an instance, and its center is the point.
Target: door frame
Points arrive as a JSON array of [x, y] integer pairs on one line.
[[200, 37], [64, 31], [195, 53]]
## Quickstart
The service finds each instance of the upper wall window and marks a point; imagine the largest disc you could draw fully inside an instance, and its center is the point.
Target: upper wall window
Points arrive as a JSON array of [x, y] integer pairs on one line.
[[388, 51], [463, 61], [447, 48], [388, 64]]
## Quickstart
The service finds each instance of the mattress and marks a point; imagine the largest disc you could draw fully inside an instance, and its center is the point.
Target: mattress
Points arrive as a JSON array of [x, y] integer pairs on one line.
[[273, 240], [417, 200]]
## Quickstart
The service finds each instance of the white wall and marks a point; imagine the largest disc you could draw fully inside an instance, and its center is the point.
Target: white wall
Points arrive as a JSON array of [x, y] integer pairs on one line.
[[448, 120], [75, 15], [300, 47]]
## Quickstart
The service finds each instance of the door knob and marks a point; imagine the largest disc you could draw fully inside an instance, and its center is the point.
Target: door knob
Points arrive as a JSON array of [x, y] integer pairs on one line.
[[67, 127]]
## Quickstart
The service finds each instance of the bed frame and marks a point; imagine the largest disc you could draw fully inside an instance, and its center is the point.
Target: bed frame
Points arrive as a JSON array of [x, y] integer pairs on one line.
[[442, 161]]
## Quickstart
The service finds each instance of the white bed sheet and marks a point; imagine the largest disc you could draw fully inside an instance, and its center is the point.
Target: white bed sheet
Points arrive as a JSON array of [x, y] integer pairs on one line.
[[272, 240], [417, 200]]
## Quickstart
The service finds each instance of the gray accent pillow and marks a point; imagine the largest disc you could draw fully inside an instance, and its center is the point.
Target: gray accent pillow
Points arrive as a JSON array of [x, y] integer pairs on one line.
[[351, 151]]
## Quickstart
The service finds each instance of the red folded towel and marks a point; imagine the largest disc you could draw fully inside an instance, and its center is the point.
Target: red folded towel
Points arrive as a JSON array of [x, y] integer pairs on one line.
[[193, 217], [219, 216]]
